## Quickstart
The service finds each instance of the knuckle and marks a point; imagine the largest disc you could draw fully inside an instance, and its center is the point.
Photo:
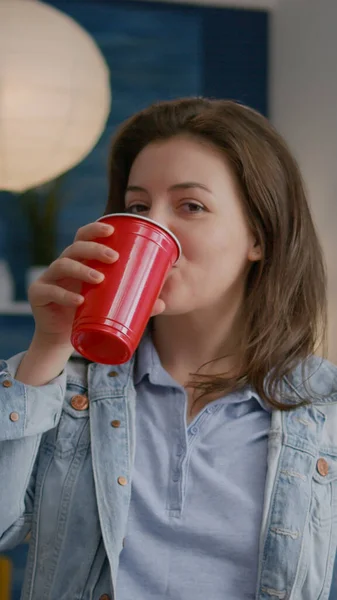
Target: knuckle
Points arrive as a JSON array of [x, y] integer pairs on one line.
[[80, 232], [85, 231], [103, 248], [52, 265], [90, 246], [32, 292], [62, 262], [67, 250], [65, 295], [76, 245], [87, 271]]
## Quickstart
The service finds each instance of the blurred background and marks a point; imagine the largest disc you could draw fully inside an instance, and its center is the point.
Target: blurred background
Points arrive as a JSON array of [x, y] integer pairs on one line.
[[72, 70]]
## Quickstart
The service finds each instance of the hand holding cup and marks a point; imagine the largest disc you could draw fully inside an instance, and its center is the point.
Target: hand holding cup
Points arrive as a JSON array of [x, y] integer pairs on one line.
[[57, 294]]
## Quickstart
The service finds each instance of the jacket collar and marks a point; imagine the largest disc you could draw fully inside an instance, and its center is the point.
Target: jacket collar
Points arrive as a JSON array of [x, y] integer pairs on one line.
[[315, 377]]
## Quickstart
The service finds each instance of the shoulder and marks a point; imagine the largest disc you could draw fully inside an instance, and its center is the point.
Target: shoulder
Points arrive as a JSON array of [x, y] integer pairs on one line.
[[315, 376], [80, 370]]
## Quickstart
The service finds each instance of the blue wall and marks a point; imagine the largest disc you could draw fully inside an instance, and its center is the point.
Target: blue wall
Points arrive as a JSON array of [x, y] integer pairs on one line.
[[154, 51]]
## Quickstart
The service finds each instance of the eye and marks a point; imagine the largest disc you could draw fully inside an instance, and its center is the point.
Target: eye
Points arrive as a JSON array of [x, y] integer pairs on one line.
[[136, 208], [193, 207]]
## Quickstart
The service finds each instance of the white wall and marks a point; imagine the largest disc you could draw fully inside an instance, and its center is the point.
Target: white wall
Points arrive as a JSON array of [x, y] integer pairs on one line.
[[303, 101]]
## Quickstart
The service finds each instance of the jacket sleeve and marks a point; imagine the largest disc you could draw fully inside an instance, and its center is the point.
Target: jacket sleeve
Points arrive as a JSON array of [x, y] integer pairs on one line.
[[26, 412]]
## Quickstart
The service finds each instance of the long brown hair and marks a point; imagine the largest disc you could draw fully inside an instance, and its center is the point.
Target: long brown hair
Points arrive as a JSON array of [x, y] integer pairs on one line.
[[285, 303]]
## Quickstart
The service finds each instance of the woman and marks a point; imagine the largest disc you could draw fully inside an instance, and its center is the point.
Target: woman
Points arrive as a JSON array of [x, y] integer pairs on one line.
[[185, 497]]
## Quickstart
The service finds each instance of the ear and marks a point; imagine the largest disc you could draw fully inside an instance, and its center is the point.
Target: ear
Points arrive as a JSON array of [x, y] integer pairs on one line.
[[255, 251]]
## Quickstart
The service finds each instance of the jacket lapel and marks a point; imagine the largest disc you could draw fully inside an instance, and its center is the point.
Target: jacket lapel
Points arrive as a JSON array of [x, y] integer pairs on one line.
[[112, 429], [292, 454]]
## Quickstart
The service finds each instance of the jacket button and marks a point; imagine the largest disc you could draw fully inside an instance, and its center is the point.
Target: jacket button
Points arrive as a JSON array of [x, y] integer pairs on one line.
[[113, 374], [79, 402], [7, 383], [322, 467], [116, 423], [104, 597], [122, 480], [14, 416]]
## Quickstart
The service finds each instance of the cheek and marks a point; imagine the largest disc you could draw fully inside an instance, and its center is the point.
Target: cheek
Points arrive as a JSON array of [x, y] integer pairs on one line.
[[217, 260], [219, 248], [199, 247], [190, 247], [206, 249]]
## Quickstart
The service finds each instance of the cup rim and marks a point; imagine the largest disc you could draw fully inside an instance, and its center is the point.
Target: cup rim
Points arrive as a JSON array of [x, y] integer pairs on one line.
[[141, 218]]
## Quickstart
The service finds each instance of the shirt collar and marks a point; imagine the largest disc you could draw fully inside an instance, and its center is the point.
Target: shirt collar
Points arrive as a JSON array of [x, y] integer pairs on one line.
[[145, 359], [148, 365]]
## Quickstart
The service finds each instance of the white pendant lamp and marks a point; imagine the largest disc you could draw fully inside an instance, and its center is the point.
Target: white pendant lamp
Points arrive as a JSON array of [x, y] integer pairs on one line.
[[54, 94]]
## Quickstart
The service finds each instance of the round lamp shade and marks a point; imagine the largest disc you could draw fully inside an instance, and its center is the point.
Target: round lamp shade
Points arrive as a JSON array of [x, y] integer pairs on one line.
[[54, 94]]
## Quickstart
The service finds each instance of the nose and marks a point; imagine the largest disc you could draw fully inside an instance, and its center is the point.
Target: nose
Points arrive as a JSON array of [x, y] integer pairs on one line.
[[165, 218], [160, 216]]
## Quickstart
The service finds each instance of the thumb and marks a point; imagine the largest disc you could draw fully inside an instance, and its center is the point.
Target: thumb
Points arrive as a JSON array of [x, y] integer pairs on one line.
[[159, 307]]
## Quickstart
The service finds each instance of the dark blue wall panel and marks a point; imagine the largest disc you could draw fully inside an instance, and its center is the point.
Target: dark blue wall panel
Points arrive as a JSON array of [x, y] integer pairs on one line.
[[235, 56]]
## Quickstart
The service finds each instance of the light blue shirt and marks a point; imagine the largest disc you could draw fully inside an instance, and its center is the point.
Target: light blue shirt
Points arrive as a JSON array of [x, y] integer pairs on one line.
[[197, 493], [66, 467]]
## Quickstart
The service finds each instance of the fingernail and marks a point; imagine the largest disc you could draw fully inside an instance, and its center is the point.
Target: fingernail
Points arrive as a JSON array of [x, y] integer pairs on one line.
[[97, 275], [110, 253], [107, 228]]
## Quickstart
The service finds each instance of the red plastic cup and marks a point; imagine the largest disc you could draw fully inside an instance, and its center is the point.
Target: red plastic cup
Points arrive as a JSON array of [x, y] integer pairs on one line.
[[108, 326]]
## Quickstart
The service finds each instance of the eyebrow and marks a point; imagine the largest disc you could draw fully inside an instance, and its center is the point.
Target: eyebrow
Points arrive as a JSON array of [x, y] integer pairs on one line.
[[178, 186]]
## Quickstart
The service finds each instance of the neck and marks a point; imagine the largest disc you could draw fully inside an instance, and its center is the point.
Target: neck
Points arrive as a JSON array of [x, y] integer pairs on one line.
[[186, 342]]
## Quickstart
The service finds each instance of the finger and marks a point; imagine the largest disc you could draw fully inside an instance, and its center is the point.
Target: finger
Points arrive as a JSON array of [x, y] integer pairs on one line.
[[94, 230], [159, 307], [73, 269], [84, 250], [46, 293]]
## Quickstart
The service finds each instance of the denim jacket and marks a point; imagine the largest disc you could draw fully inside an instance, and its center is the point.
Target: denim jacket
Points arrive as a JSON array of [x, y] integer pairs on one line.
[[66, 457]]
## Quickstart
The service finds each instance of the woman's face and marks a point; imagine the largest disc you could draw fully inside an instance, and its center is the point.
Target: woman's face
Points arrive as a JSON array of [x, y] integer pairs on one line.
[[186, 185]]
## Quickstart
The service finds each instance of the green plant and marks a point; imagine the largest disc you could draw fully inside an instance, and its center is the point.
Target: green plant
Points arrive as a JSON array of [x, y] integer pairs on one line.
[[41, 207]]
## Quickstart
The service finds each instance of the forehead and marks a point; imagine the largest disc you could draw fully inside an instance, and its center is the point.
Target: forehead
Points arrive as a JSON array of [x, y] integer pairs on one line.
[[181, 157]]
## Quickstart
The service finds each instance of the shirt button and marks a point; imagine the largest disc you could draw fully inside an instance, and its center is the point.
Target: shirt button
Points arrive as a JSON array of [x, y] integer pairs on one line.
[[14, 416], [175, 476], [116, 423], [113, 374], [122, 480], [194, 430], [7, 383], [79, 402], [322, 467]]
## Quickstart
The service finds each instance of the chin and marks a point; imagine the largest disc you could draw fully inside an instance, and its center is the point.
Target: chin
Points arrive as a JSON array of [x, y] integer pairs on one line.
[[174, 306], [175, 299]]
